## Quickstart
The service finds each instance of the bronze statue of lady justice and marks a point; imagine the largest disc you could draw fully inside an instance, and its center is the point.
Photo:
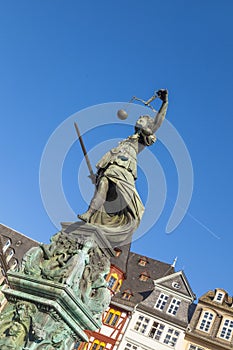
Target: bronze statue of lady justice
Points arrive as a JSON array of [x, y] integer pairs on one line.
[[116, 206]]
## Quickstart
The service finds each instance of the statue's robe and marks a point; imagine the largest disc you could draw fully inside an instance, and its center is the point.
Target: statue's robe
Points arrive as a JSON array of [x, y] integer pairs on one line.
[[122, 211]]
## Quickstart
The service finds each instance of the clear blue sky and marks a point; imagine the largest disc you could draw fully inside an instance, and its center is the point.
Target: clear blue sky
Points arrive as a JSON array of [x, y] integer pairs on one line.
[[58, 57]]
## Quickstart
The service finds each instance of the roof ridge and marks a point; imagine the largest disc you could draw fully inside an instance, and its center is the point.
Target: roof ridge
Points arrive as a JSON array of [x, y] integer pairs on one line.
[[11, 229]]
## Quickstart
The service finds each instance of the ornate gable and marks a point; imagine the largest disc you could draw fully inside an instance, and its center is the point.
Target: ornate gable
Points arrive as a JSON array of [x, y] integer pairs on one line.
[[176, 283]]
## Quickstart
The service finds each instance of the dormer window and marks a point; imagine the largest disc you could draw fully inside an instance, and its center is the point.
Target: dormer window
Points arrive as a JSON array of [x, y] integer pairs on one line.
[[118, 252], [13, 264], [144, 276], [219, 296], [142, 261], [6, 245], [9, 255], [127, 294]]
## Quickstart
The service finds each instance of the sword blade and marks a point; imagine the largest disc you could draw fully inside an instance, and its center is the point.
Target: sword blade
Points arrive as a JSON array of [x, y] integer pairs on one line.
[[92, 175]]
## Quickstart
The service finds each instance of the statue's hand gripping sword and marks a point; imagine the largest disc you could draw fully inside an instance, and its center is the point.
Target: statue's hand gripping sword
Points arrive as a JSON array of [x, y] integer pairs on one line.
[[92, 175]]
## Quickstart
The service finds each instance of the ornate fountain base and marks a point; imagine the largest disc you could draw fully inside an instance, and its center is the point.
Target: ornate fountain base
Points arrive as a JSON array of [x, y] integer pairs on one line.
[[59, 292]]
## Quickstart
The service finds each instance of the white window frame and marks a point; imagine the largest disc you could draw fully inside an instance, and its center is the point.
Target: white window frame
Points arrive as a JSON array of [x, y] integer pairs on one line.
[[142, 323], [173, 307], [6, 245], [161, 302], [226, 329], [159, 330], [205, 322], [130, 346], [219, 296], [10, 255], [195, 347], [14, 264], [171, 337]]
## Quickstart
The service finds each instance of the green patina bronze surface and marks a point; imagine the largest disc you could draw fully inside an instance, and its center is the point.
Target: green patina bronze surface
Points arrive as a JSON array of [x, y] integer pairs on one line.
[[58, 292], [60, 288]]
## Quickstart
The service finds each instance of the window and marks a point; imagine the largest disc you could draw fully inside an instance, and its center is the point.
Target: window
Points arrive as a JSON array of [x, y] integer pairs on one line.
[[117, 252], [142, 262], [97, 345], [112, 317], [173, 307], [226, 330], [195, 347], [219, 297], [141, 324], [111, 282], [6, 245], [144, 276], [161, 301], [13, 264], [127, 294], [156, 330], [206, 321], [130, 346], [118, 286], [171, 337], [9, 255]]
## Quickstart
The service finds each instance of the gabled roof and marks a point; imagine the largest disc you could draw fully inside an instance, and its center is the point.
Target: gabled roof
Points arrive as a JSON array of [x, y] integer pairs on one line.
[[177, 283], [174, 286], [19, 242], [141, 289]]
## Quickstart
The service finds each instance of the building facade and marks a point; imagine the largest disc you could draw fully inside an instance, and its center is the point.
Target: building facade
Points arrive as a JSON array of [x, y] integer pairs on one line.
[[131, 281], [13, 246], [211, 327], [152, 306], [114, 319], [160, 321]]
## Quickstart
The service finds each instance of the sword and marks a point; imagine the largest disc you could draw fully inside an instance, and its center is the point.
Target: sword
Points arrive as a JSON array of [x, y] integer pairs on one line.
[[92, 175]]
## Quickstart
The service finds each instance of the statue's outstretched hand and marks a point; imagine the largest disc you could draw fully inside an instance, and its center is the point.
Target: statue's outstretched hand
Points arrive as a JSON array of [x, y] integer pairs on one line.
[[163, 94]]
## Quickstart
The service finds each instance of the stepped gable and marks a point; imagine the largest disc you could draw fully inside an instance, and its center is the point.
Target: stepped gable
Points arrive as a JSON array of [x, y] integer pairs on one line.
[[134, 289], [16, 241]]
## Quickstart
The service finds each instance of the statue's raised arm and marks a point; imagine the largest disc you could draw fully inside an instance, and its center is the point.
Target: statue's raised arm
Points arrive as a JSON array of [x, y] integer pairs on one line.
[[116, 206], [159, 118], [146, 126]]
